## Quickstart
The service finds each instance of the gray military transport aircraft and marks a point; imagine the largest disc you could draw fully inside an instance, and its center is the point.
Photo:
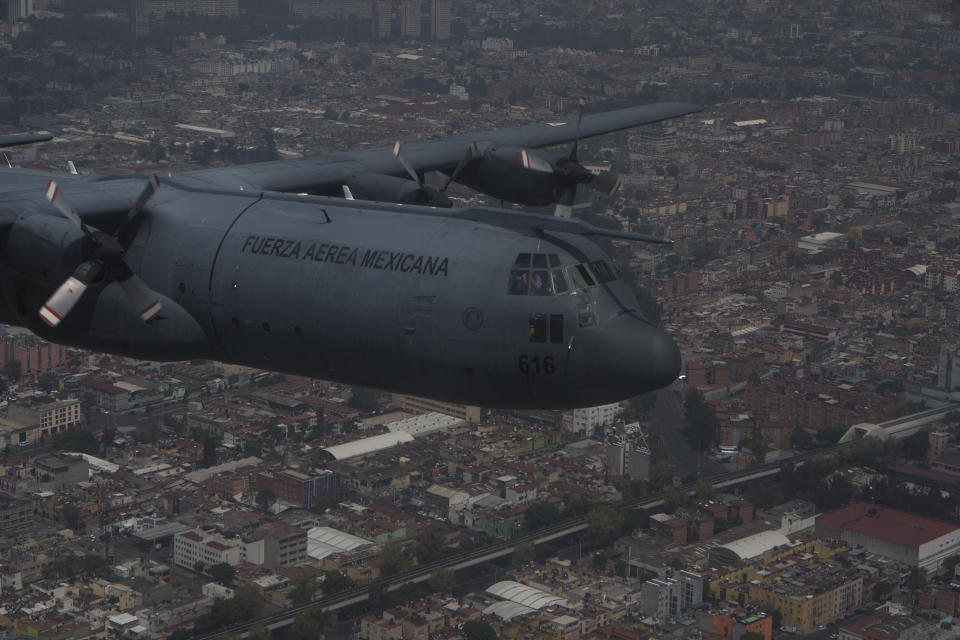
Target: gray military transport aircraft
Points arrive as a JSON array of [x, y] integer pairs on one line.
[[265, 265]]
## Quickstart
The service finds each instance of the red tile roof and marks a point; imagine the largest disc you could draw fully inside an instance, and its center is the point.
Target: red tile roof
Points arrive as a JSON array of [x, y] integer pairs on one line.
[[884, 523]]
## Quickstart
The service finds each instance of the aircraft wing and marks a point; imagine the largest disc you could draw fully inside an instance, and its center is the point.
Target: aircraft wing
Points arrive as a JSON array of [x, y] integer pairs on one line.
[[326, 174], [15, 139]]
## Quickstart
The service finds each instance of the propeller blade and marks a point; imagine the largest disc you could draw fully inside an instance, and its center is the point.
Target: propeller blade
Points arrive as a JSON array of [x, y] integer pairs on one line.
[[532, 161], [62, 301], [57, 306], [143, 298], [473, 151], [398, 151], [148, 190], [53, 195], [607, 183], [581, 105]]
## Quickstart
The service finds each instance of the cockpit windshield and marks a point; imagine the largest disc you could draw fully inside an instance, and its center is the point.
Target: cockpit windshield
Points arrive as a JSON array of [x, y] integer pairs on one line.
[[540, 274]]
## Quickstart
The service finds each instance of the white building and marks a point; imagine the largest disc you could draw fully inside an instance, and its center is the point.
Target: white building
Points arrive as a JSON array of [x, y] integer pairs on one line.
[[587, 419], [198, 548], [665, 598], [914, 540]]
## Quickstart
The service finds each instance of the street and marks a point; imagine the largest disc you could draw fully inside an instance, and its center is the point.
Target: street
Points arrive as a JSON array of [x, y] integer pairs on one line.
[[667, 418]]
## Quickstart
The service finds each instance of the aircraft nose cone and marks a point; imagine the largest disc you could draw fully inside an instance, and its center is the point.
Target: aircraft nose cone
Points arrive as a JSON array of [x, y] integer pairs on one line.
[[633, 357]]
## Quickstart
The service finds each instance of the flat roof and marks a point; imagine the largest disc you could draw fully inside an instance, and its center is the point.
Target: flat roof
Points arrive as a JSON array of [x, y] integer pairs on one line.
[[883, 523], [162, 531], [368, 445]]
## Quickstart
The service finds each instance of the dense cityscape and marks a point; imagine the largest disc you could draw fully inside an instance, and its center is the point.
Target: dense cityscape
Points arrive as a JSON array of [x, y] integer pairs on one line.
[[800, 478]]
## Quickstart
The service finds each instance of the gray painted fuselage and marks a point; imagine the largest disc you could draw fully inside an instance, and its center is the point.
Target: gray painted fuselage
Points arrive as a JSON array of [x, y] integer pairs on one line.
[[380, 295]]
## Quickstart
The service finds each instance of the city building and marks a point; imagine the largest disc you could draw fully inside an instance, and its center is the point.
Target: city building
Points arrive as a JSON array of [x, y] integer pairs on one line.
[[200, 550], [56, 472], [665, 598], [18, 10], [16, 517], [440, 19], [51, 415], [587, 419], [300, 489], [417, 404], [34, 355], [410, 18], [627, 456], [382, 18], [914, 540], [283, 545]]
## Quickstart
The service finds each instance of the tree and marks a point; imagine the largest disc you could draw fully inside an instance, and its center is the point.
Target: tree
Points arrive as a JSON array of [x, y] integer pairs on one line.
[[257, 632], [604, 524], [323, 502], [303, 589], [917, 578], [800, 439], [70, 514], [393, 559], [701, 419], [674, 498], [265, 499], [524, 552], [916, 445], [363, 398], [222, 573], [48, 381], [704, 489], [430, 543], [634, 519], [661, 474], [12, 370], [882, 590], [443, 581], [830, 434], [479, 630], [335, 582], [541, 514], [310, 624]]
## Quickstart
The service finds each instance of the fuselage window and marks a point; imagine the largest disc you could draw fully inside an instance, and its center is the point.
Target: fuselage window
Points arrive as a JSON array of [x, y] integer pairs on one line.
[[556, 328], [538, 327], [519, 282], [523, 260], [554, 260], [540, 283], [539, 261]]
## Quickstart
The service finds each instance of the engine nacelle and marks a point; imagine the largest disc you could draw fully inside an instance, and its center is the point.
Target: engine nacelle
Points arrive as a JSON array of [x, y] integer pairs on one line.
[[44, 249], [383, 188], [515, 175]]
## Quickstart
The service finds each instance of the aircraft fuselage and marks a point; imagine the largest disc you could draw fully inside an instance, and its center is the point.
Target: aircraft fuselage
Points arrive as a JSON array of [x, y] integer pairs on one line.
[[384, 296]]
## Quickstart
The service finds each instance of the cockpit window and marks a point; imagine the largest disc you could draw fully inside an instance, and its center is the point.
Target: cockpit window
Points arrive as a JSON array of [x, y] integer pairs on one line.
[[585, 275], [559, 281], [603, 271], [540, 283], [540, 274], [519, 282]]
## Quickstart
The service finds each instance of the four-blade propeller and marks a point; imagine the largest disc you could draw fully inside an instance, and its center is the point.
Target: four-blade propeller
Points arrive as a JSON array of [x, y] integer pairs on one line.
[[104, 254]]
